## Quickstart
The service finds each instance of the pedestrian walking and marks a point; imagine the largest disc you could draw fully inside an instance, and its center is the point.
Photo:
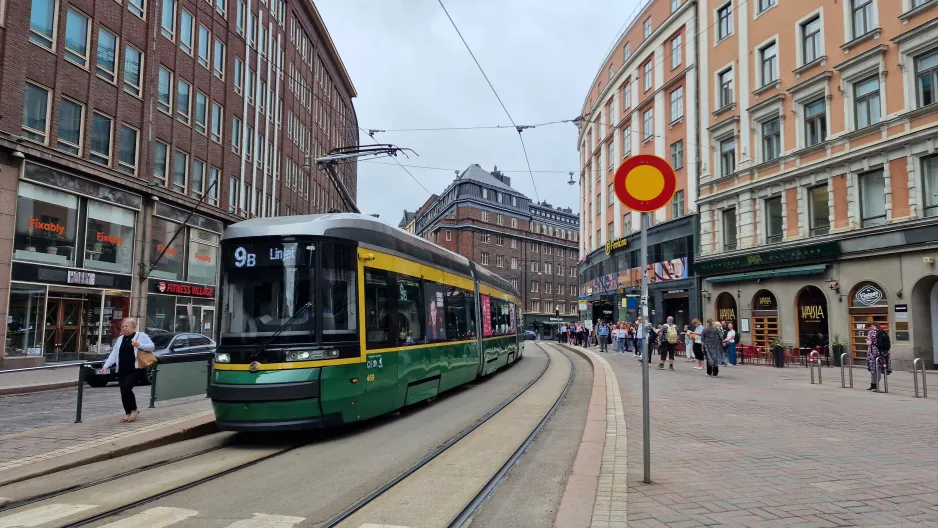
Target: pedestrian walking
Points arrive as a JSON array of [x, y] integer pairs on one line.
[[698, 343], [124, 358], [639, 337], [730, 342], [877, 349], [713, 347], [668, 343]]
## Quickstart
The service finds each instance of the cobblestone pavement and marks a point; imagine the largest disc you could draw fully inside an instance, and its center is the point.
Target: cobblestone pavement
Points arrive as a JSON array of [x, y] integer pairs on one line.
[[21, 412], [760, 446]]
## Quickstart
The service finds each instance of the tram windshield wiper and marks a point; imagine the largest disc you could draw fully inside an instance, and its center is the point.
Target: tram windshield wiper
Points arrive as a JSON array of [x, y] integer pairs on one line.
[[267, 343]]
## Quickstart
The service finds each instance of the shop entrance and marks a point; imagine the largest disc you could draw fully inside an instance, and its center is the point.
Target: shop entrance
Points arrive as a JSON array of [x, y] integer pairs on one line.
[[64, 328], [764, 318], [676, 305], [868, 304], [195, 319]]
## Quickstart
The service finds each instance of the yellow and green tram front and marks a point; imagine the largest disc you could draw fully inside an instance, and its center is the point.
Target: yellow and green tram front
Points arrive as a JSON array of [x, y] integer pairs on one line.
[[288, 355]]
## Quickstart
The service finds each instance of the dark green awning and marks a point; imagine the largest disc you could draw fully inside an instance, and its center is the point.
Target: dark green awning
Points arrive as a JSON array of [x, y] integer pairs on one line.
[[769, 274]]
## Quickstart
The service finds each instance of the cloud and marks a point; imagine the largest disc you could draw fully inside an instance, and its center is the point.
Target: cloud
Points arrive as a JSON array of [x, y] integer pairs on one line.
[[411, 71]]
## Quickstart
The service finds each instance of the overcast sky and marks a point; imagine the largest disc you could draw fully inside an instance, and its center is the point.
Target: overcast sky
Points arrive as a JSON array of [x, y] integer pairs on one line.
[[411, 71]]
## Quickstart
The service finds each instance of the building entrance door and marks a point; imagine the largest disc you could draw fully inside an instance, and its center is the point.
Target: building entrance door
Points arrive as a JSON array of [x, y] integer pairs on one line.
[[195, 319], [64, 329]]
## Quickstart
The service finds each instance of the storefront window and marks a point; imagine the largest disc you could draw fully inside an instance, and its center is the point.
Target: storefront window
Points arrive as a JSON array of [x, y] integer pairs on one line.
[[25, 320], [170, 265], [812, 318], [203, 256], [46, 222], [116, 308], [161, 309], [110, 238]]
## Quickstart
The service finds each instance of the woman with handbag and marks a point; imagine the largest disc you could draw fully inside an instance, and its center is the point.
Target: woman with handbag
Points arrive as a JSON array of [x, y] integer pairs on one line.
[[131, 352]]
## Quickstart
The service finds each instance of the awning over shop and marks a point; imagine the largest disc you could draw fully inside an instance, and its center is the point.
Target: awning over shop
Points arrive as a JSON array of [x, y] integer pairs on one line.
[[769, 274]]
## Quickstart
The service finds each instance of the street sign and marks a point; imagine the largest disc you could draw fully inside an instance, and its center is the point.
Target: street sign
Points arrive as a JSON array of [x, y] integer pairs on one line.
[[645, 183]]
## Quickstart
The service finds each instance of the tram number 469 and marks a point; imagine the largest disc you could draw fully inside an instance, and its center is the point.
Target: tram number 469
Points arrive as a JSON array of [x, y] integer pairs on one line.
[[370, 377]]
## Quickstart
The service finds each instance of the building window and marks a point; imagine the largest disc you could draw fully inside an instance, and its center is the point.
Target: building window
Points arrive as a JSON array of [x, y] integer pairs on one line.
[[729, 229], [183, 101], [862, 17], [815, 122], [818, 211], [646, 76], [627, 223], [133, 65], [218, 60], [926, 78], [514, 223], [676, 49], [186, 31], [102, 128], [500, 219], [534, 266], [168, 19], [107, 55], [485, 193], [930, 185], [127, 150], [197, 175], [164, 98], [160, 165], [769, 58], [726, 87], [213, 183], [109, 237], [811, 40], [76, 38], [535, 286], [872, 201], [771, 139], [485, 216], [239, 17], [765, 4], [180, 171], [627, 96], [232, 194], [648, 126], [499, 261], [485, 258], [677, 205], [218, 114], [203, 45], [866, 102], [499, 240], [612, 194], [677, 155], [724, 21], [677, 104], [235, 135], [627, 142], [727, 157], [646, 28], [514, 243], [675, 4], [626, 53], [36, 206], [449, 235], [773, 220], [137, 7], [201, 112], [610, 155], [485, 238], [42, 22], [71, 118], [238, 76]]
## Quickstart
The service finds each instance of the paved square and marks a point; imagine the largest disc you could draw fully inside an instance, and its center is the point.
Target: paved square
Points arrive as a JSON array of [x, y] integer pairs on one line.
[[760, 446]]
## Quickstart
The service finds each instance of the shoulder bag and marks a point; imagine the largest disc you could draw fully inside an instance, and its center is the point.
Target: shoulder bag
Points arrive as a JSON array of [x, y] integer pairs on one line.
[[145, 358]]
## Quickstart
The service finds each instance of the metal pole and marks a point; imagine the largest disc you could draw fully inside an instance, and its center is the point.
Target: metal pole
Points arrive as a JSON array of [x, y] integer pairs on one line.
[[915, 365], [646, 357], [81, 390], [208, 382], [815, 355], [156, 370]]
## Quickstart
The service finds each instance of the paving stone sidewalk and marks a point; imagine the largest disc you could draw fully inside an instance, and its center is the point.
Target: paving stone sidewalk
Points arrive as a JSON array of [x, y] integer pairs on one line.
[[761, 447]]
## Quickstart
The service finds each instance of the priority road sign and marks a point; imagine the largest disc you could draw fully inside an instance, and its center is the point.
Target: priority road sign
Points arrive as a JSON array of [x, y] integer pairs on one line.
[[645, 183]]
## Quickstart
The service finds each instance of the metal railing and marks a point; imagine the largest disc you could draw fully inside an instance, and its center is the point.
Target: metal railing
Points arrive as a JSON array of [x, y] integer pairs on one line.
[[843, 365], [815, 355], [881, 369], [916, 363]]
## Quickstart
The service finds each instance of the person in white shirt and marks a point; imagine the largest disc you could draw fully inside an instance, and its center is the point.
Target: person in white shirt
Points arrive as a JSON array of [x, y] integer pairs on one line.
[[639, 338], [698, 343], [730, 343], [124, 356]]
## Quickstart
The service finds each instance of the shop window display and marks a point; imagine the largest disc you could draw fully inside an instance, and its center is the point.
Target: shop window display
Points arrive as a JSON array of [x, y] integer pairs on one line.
[[25, 320], [46, 223], [203, 256], [170, 265], [109, 238]]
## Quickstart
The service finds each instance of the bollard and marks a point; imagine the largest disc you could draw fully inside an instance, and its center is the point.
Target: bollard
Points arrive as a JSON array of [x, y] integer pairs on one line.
[[915, 364], [843, 365], [81, 390], [881, 370], [811, 357], [156, 370]]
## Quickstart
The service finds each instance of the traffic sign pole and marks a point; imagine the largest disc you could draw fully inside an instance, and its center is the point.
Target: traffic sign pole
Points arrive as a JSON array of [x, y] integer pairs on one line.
[[646, 357]]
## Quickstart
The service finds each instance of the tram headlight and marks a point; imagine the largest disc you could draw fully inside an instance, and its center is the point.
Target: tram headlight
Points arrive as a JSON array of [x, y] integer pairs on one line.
[[299, 355], [222, 357]]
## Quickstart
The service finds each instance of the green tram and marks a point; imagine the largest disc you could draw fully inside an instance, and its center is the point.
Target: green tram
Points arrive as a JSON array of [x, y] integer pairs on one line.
[[331, 319]]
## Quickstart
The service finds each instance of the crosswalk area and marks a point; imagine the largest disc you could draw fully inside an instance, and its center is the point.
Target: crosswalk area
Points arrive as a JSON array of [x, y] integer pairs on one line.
[[50, 515]]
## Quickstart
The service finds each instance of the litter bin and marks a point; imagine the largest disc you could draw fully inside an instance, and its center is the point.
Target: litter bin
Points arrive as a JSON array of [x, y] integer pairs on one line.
[[779, 353]]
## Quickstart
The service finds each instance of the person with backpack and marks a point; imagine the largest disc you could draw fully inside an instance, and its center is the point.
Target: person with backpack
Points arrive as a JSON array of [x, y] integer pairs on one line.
[[877, 349], [668, 342]]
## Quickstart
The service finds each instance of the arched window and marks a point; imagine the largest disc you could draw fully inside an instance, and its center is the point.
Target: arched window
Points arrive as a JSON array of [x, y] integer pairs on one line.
[[764, 318]]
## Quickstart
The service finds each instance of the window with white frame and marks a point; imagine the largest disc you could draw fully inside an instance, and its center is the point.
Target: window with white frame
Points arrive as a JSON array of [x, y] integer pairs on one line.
[[514, 263], [646, 75], [183, 101], [204, 36], [677, 204], [926, 78], [866, 102], [811, 40], [771, 139], [168, 19], [180, 171], [818, 212], [930, 185], [677, 103], [133, 69], [164, 91], [71, 121], [201, 112], [676, 52], [612, 194], [626, 53], [724, 21], [107, 55], [137, 7], [186, 31], [160, 162], [611, 73], [677, 154], [768, 59], [861, 16], [646, 28], [514, 223], [815, 122], [43, 19], [486, 238], [76, 37], [127, 149], [197, 176], [765, 4], [610, 231], [728, 156], [725, 87], [627, 142], [218, 59], [449, 235], [485, 216], [729, 229], [500, 219], [500, 261], [648, 124], [872, 201], [485, 258], [534, 266], [218, 116], [610, 155], [627, 223], [102, 130], [675, 5], [627, 96]]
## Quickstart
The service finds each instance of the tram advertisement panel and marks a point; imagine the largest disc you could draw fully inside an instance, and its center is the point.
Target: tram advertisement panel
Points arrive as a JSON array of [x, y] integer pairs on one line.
[[265, 254], [486, 316]]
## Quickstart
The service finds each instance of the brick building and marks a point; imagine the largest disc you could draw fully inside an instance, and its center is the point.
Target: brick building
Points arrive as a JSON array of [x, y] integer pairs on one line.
[[534, 246], [116, 119]]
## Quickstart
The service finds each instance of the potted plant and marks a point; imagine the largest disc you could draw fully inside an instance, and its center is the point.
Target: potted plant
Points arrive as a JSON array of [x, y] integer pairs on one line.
[[837, 347], [778, 350], [53, 249]]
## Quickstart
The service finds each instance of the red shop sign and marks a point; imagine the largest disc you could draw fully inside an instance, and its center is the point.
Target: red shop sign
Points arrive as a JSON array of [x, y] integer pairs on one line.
[[181, 288]]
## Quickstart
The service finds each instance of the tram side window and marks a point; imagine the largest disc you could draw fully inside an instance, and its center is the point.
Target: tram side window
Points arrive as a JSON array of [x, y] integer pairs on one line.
[[436, 323], [410, 312], [339, 306], [499, 315], [460, 313], [377, 309]]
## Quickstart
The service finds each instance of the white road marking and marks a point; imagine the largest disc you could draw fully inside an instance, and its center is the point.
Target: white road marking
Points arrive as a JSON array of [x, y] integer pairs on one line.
[[42, 515], [263, 520], [158, 517]]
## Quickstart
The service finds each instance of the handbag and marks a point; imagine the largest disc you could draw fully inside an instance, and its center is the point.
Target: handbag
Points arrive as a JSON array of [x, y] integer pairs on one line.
[[145, 358]]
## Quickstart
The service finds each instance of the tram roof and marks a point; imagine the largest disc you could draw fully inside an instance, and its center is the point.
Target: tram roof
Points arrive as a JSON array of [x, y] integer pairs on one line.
[[368, 230]]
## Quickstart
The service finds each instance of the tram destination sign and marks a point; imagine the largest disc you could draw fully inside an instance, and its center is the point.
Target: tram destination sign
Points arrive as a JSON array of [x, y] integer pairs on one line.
[[266, 254], [768, 258]]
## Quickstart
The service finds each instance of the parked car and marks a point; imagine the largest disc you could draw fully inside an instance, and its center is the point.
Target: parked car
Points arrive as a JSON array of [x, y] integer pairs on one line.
[[530, 334], [166, 343]]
